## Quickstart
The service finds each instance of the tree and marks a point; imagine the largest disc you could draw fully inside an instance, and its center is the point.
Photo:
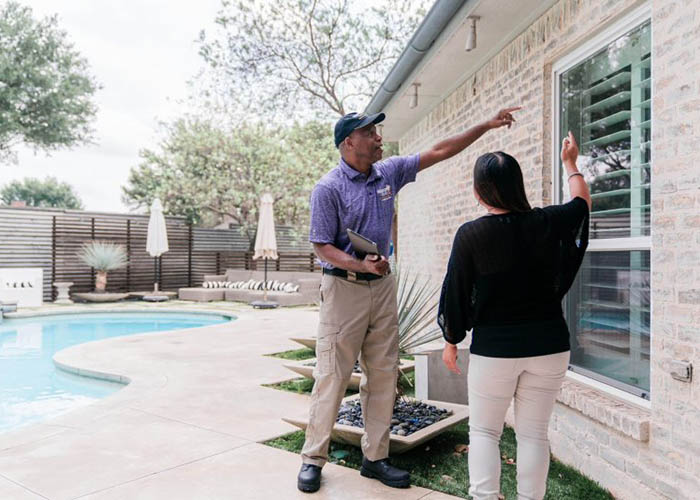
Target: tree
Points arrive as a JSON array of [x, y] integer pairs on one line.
[[278, 56], [45, 88], [206, 172], [38, 193]]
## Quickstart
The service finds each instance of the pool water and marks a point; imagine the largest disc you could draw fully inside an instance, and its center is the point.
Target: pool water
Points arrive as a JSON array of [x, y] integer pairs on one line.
[[33, 389]]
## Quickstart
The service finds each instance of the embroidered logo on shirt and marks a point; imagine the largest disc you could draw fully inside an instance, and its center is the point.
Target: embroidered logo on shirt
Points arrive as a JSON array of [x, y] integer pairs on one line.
[[385, 193]]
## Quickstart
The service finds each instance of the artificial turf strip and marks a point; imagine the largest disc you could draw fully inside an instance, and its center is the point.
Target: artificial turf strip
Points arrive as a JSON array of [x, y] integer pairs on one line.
[[295, 354], [301, 386], [305, 385], [306, 353], [437, 466]]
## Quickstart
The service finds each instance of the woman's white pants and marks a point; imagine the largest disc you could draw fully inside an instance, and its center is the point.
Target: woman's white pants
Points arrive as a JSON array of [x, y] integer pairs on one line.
[[534, 382]]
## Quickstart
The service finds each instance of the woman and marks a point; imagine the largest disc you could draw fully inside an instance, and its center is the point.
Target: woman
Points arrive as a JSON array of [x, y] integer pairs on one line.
[[507, 275]]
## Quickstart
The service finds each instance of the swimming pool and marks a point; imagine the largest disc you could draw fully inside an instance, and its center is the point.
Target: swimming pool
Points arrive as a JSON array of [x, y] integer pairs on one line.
[[33, 389]]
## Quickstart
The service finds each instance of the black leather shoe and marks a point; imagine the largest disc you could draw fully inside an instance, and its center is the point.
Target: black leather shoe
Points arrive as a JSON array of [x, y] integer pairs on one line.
[[386, 473], [309, 479]]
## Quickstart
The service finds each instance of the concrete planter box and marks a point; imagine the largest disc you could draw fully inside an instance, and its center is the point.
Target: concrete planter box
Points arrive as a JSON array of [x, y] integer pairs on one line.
[[435, 382], [309, 342], [303, 369], [397, 444]]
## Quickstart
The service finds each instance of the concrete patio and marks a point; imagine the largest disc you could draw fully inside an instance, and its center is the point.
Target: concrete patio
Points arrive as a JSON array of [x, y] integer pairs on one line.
[[188, 426]]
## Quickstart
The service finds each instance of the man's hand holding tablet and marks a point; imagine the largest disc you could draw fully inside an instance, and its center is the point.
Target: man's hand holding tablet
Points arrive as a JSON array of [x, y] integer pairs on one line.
[[367, 249]]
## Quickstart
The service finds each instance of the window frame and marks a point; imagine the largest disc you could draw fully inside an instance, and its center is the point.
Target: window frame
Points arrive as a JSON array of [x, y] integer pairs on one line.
[[589, 48]]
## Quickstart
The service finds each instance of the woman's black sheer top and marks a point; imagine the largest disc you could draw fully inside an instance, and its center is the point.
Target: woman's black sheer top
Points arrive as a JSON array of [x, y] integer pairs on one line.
[[507, 276]]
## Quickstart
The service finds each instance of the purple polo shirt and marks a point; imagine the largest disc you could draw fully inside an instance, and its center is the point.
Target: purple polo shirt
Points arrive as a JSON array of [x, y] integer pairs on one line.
[[345, 198]]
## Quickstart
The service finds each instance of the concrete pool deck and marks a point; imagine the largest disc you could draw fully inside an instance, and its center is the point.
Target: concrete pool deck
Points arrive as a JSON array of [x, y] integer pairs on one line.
[[188, 426]]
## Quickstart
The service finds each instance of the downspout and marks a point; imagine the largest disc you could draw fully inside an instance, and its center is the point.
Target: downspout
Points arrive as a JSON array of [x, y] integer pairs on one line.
[[439, 15]]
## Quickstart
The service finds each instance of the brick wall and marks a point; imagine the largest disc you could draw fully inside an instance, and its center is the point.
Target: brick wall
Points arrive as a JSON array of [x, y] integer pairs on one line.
[[666, 462], [676, 244]]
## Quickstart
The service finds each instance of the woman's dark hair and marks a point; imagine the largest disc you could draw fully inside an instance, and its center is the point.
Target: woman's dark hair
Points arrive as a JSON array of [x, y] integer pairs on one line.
[[498, 181]]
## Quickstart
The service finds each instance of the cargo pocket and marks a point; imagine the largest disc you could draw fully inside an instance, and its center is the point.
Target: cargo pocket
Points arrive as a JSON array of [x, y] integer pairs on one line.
[[324, 288], [325, 348]]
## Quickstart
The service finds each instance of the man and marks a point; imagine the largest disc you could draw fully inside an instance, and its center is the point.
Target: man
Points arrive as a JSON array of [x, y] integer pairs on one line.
[[358, 296]]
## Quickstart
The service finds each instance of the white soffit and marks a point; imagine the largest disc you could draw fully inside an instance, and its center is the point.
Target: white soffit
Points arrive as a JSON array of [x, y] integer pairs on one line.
[[447, 65]]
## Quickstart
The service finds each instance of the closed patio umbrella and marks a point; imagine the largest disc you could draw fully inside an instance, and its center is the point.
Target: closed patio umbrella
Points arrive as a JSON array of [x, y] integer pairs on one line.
[[265, 242], [157, 238]]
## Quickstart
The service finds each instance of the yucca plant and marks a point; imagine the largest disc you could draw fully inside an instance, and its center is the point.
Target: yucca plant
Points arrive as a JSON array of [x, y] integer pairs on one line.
[[103, 256]]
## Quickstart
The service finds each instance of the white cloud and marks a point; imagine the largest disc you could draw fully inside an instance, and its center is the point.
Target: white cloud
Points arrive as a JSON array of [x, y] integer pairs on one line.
[[142, 52]]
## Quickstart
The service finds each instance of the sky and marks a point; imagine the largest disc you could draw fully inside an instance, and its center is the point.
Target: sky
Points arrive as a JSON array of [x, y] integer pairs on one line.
[[142, 53]]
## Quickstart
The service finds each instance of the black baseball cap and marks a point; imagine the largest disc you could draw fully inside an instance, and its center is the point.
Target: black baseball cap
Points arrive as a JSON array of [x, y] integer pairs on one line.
[[353, 121]]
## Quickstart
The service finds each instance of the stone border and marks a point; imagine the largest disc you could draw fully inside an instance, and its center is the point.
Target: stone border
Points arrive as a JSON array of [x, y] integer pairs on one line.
[[630, 420], [304, 370], [397, 444], [76, 309], [109, 377]]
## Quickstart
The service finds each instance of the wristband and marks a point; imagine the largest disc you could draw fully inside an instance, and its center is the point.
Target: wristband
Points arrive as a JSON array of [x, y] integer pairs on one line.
[[575, 173]]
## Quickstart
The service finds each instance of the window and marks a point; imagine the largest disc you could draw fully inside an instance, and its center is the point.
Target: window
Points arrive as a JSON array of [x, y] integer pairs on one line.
[[604, 98]]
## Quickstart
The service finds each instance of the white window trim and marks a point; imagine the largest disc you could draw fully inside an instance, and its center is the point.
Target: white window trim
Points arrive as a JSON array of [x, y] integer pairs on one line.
[[627, 23]]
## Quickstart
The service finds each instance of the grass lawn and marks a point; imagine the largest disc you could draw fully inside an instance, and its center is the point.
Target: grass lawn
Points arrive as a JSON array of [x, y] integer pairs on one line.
[[295, 354], [306, 353], [436, 465]]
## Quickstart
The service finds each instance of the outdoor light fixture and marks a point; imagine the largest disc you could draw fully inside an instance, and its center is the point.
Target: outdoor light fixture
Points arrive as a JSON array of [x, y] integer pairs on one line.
[[413, 102], [471, 34]]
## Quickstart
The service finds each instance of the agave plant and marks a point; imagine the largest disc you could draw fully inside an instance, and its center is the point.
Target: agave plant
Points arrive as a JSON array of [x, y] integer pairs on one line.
[[103, 256], [417, 307]]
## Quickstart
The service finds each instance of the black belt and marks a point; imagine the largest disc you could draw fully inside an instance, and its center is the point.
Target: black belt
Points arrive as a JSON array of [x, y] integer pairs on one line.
[[352, 276]]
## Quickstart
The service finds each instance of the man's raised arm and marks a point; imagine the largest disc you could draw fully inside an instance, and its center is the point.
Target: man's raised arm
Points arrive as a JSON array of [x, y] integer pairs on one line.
[[458, 143]]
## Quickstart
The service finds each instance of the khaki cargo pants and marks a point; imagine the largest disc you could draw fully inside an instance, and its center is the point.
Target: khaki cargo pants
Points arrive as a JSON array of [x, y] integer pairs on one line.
[[357, 317]]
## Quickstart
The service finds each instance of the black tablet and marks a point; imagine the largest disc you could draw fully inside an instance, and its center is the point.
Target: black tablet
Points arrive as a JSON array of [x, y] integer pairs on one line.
[[362, 245]]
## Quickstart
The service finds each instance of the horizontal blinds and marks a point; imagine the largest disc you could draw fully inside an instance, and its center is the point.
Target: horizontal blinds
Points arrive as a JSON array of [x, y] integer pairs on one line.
[[615, 130]]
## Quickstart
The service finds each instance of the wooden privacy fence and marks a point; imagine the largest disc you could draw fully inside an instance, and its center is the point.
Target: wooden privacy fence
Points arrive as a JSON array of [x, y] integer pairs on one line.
[[51, 239]]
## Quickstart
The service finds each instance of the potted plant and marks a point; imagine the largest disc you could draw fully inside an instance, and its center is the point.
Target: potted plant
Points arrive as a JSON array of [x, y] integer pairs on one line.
[[102, 256]]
